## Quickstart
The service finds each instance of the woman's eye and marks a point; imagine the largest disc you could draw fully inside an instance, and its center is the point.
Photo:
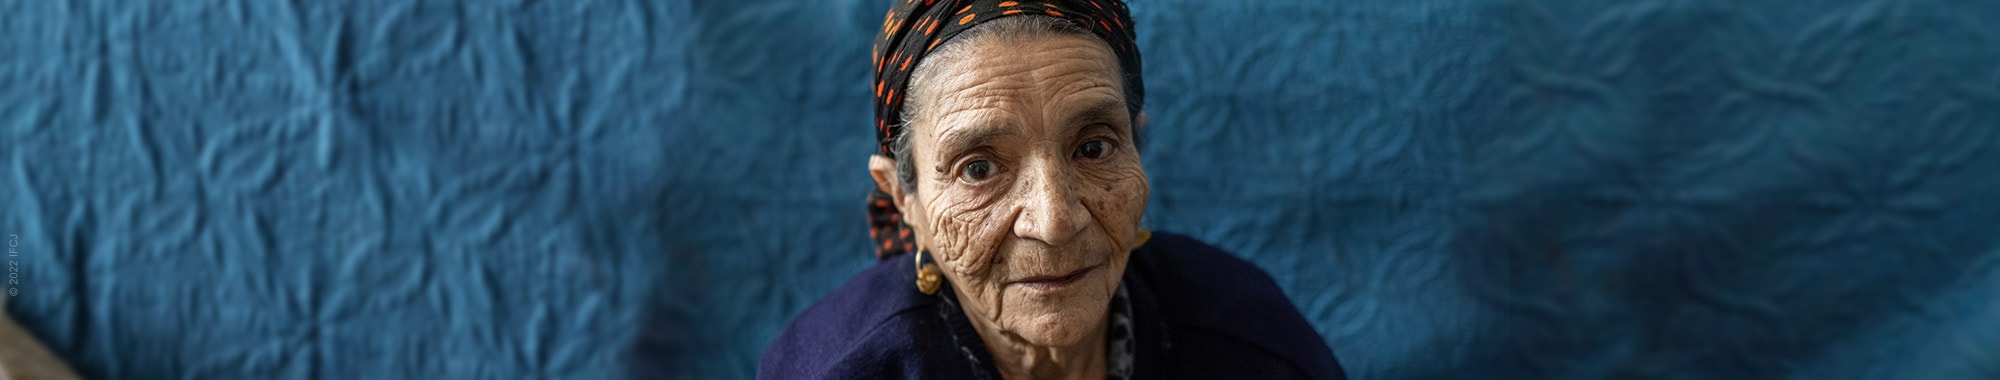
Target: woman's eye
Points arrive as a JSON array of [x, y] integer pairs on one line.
[[1093, 149], [978, 170]]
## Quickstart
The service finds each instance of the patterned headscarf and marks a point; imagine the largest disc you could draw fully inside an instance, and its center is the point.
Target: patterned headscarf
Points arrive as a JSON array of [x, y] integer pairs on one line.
[[914, 27]]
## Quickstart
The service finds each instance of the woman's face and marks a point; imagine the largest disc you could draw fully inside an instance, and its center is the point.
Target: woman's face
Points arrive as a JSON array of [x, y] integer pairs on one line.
[[1028, 189]]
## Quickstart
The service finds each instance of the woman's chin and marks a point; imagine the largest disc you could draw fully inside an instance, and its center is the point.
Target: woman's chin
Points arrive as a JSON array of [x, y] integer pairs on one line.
[[1058, 321], [1061, 329]]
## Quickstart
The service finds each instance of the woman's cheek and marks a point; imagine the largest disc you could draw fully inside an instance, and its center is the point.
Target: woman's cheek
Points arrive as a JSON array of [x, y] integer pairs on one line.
[[966, 247], [1122, 204], [963, 228]]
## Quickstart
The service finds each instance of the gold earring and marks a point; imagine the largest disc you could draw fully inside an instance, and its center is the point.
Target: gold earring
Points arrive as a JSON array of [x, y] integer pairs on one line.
[[928, 275], [1144, 235]]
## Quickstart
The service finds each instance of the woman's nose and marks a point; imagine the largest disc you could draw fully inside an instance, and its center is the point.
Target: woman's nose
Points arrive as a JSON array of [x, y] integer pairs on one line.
[[1051, 209]]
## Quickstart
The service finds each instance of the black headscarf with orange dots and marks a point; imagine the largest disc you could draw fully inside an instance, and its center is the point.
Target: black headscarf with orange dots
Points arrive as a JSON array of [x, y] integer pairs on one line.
[[914, 27]]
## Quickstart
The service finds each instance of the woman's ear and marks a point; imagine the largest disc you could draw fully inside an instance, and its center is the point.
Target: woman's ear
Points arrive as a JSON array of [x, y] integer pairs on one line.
[[883, 169], [1139, 130]]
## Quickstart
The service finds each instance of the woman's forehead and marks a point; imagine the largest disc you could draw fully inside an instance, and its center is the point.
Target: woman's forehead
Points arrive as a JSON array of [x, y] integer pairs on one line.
[[1045, 79]]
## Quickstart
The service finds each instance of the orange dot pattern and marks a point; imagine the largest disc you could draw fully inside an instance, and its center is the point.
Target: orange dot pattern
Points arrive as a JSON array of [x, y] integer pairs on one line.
[[912, 28]]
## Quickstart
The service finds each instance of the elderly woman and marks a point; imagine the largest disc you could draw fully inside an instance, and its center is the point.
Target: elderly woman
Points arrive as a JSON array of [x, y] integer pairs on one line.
[[1006, 215]]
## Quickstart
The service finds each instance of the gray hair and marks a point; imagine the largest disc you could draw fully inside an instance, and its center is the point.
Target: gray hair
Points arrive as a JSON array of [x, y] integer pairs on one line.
[[913, 105]]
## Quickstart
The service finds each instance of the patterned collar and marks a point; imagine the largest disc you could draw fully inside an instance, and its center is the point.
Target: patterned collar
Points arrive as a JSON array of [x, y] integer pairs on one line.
[[1118, 342]]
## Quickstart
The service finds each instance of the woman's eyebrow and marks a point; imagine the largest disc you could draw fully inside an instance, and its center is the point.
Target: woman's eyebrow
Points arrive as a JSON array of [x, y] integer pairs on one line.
[[961, 139], [1103, 111]]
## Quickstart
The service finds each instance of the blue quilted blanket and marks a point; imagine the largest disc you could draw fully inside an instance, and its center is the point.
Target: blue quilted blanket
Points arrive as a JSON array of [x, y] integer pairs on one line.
[[463, 189]]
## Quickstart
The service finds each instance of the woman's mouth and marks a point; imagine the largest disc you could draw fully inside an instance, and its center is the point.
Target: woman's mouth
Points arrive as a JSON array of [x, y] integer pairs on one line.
[[1053, 283]]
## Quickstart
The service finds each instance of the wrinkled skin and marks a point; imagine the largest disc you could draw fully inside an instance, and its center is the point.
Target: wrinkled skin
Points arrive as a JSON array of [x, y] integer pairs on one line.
[[1026, 169]]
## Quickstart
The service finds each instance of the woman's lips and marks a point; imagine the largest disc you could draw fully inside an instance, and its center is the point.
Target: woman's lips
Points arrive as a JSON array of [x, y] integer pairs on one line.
[[1052, 283]]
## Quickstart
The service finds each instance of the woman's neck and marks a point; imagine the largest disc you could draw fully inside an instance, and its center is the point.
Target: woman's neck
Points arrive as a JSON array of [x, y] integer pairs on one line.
[[1018, 359]]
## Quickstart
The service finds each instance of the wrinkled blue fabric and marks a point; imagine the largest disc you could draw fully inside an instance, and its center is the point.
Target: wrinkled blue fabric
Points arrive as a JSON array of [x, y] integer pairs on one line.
[[457, 189]]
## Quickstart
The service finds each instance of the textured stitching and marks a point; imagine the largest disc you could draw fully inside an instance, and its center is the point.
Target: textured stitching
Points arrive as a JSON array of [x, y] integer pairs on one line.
[[581, 189]]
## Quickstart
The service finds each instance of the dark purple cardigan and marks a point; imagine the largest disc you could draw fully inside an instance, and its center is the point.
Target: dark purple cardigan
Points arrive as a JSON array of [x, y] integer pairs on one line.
[[1197, 313]]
